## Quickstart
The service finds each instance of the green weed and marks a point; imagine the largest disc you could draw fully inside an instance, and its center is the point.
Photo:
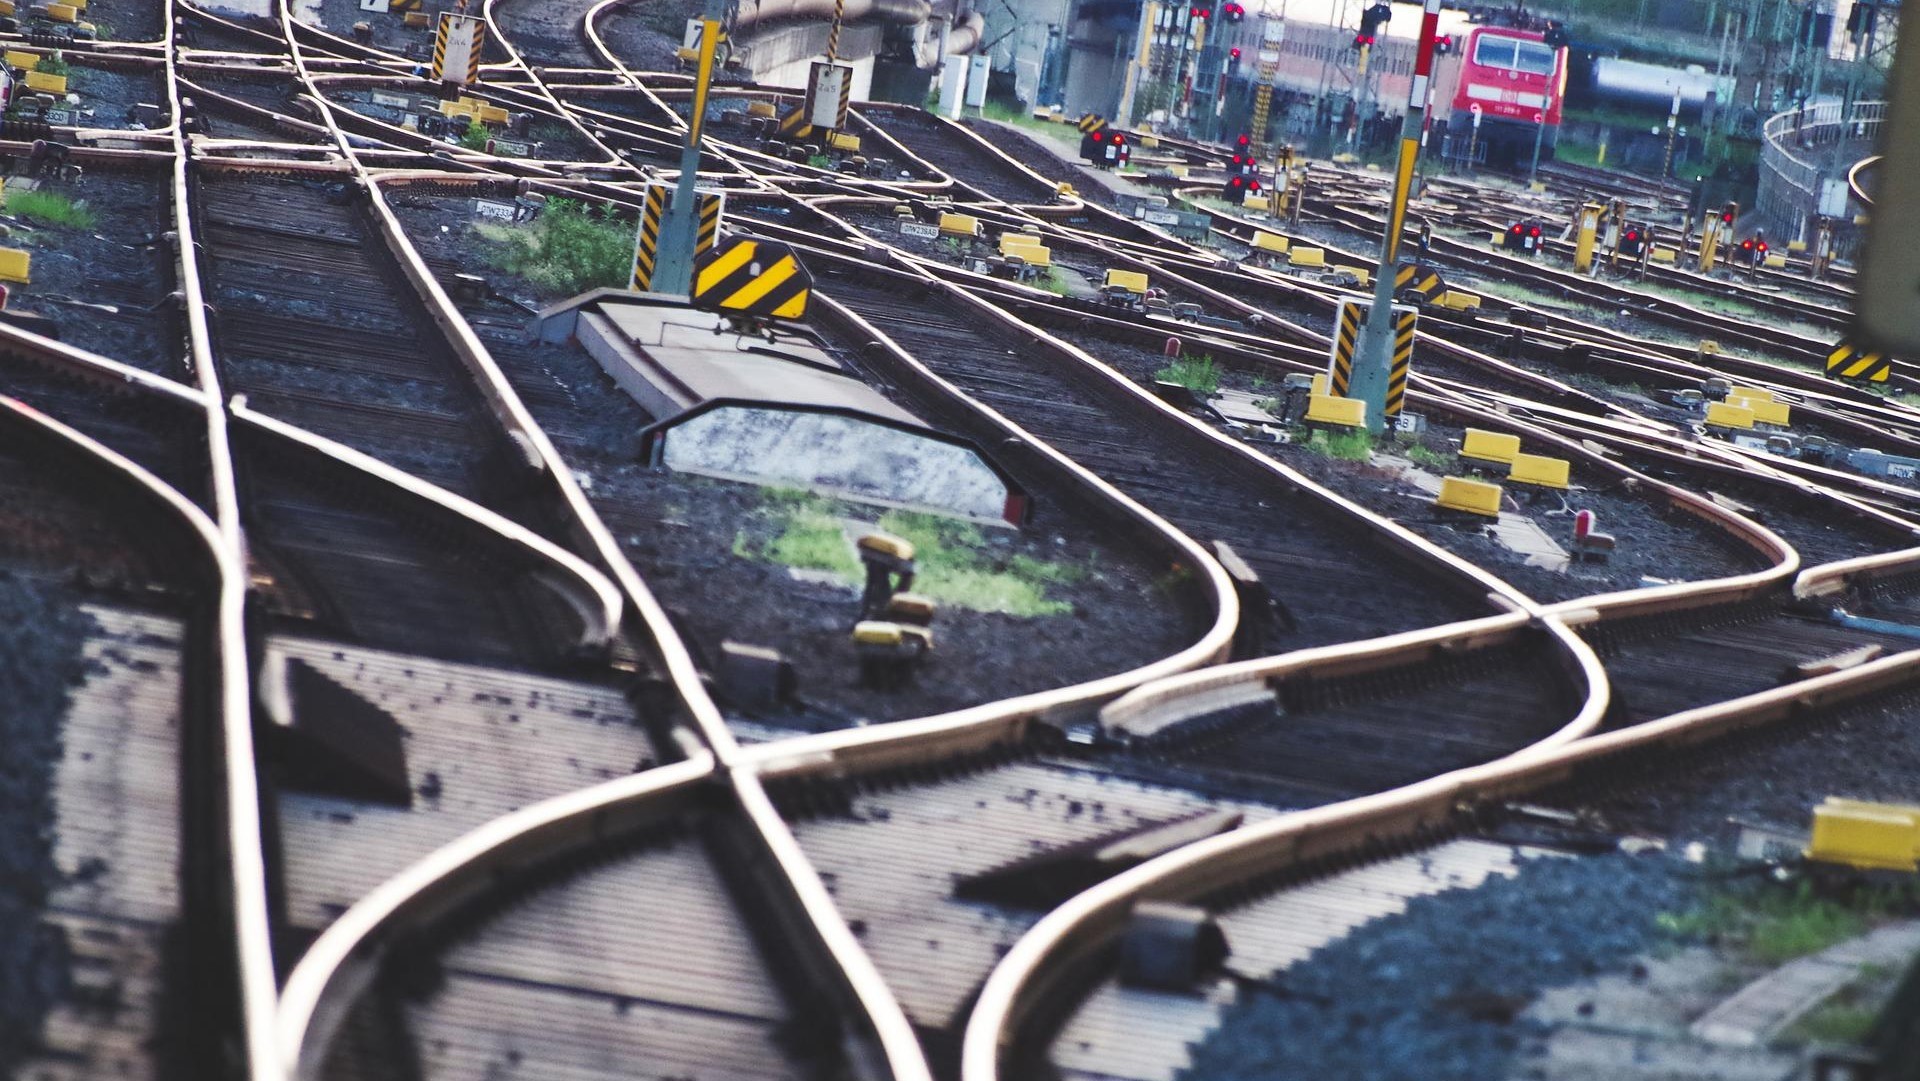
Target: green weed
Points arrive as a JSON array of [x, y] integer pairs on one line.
[[475, 137], [50, 208], [1342, 446], [953, 561], [1198, 374], [571, 248], [1834, 1022], [1437, 461], [53, 64], [1775, 923]]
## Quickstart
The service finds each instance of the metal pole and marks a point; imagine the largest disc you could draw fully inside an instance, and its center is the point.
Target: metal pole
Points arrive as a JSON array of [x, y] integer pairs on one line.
[[1673, 123], [1373, 360], [673, 272], [1539, 134]]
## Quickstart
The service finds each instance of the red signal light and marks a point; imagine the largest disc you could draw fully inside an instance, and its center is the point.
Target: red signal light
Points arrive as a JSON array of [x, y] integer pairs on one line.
[[1746, 245], [1517, 230], [1099, 136], [1633, 235], [1536, 230], [1119, 138], [1234, 54], [1726, 217], [1763, 247]]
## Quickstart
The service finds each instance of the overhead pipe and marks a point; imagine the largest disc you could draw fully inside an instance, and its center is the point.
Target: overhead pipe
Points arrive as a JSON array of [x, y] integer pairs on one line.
[[901, 12]]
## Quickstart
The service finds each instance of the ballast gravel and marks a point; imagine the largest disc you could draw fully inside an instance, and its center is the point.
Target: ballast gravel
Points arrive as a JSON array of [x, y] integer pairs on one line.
[[1436, 993]]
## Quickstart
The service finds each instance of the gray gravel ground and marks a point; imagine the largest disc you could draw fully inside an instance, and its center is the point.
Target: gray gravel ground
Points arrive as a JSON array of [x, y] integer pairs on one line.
[[1433, 994], [41, 633]]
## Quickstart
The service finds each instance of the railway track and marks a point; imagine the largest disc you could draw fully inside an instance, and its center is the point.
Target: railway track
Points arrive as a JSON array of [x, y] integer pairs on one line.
[[583, 864]]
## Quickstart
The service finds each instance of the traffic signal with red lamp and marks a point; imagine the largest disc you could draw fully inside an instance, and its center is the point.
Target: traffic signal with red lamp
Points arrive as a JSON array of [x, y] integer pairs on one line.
[[1362, 40], [1370, 21], [1233, 58], [1443, 44], [1199, 12], [1728, 213], [1234, 12], [1119, 151], [1631, 243], [1535, 242], [1239, 187], [1093, 145]]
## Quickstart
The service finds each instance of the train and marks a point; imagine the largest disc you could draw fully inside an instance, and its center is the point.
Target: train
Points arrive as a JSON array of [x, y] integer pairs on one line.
[[1516, 84]]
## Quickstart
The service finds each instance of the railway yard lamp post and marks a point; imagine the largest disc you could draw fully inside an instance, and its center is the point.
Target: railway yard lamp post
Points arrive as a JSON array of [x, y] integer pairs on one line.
[[1374, 353]]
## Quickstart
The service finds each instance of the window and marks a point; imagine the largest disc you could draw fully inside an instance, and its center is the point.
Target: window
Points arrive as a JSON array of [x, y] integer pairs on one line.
[[1534, 58], [1493, 52], [1513, 54]]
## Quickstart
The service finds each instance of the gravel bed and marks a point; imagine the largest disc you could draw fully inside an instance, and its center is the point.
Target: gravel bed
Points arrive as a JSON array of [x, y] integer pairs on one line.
[[548, 33], [548, 139], [1433, 993], [121, 262], [1436, 993], [1652, 541], [1042, 159], [106, 96], [1870, 750], [646, 37], [42, 631], [127, 20], [681, 532]]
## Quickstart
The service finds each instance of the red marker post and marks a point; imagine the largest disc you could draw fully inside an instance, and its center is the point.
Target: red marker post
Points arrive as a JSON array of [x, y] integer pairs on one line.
[[1373, 363]]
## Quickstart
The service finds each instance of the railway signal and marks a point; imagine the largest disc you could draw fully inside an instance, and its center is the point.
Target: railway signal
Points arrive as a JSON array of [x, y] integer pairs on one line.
[[1379, 361], [1234, 13], [1238, 187], [1632, 243]]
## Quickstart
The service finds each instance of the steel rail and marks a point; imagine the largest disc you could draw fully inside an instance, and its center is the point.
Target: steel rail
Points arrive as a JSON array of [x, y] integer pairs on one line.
[[257, 988], [1093, 919], [867, 992]]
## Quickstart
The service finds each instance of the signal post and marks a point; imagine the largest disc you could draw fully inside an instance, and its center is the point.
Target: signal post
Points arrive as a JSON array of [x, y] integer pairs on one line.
[[1373, 368], [679, 233]]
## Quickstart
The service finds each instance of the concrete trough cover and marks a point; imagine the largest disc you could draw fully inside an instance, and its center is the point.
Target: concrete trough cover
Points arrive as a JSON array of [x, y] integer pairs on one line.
[[783, 414]]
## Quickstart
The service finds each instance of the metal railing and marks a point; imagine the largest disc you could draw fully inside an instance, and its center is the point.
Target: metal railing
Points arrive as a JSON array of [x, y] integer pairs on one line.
[[1793, 161]]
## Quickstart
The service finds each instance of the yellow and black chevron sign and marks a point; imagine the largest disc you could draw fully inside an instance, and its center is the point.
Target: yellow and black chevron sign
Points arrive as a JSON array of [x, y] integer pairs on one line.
[[709, 233], [1421, 279], [1848, 361], [646, 243], [401, 7], [752, 277], [1346, 339], [794, 126], [1403, 324], [1091, 123]]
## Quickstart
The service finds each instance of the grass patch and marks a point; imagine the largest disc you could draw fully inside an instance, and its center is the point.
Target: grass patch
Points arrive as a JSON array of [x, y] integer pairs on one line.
[[54, 64], [1342, 446], [1435, 461], [570, 248], [1198, 374], [1773, 923], [475, 137], [1051, 282], [50, 208], [954, 560]]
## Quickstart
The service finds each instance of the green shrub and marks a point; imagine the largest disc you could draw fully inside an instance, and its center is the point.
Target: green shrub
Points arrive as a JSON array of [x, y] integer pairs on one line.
[[570, 248], [475, 137], [53, 64]]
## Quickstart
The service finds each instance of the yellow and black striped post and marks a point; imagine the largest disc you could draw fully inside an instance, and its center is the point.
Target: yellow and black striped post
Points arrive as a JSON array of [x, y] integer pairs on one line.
[[1417, 278], [1403, 324], [711, 203], [833, 33], [674, 268], [646, 242], [1091, 123], [758, 278], [1346, 336], [1849, 361], [457, 45]]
